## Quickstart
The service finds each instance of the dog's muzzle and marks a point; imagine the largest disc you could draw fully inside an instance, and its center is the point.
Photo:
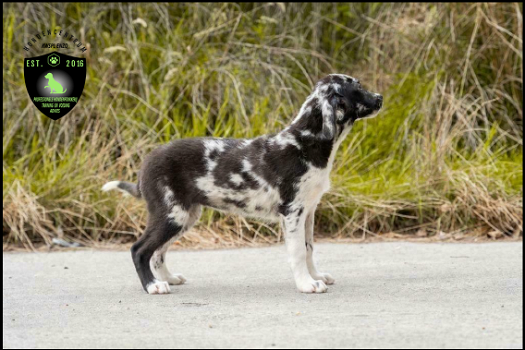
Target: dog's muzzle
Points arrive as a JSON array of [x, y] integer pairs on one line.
[[379, 102]]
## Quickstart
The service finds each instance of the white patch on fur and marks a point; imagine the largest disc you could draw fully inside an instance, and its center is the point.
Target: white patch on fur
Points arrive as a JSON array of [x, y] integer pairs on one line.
[[211, 164], [326, 108], [158, 287], [175, 279], [169, 196], [247, 167], [344, 76], [113, 185], [312, 185], [312, 286], [246, 142], [322, 276], [210, 146], [361, 107], [236, 179], [159, 268], [306, 133], [328, 113], [179, 215], [284, 139]]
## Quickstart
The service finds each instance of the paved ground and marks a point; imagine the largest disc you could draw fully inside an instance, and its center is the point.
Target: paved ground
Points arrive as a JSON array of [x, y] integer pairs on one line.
[[386, 295]]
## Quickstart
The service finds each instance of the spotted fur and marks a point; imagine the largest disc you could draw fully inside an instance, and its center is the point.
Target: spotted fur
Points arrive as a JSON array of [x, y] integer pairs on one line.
[[278, 177]]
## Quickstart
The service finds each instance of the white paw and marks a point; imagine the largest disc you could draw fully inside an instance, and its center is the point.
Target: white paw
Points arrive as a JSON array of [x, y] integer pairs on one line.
[[312, 286], [158, 287], [325, 277], [176, 279]]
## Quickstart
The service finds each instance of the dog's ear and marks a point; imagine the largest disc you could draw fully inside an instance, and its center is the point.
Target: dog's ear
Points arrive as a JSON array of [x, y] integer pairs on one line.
[[329, 111]]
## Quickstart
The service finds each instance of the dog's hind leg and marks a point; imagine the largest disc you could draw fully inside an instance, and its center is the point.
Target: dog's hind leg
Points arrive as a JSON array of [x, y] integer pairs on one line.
[[294, 227], [158, 266], [158, 261], [158, 232], [309, 242], [149, 251]]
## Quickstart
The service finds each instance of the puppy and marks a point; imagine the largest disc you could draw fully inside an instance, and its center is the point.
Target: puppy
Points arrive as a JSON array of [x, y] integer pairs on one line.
[[278, 177]]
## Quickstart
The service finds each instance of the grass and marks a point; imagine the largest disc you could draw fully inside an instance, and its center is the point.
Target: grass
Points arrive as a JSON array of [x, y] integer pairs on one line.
[[445, 156]]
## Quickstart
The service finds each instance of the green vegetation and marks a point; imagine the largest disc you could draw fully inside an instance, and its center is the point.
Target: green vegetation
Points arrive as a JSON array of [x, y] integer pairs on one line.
[[445, 155]]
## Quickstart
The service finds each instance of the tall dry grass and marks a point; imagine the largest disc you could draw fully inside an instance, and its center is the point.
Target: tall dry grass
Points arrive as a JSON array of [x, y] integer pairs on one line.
[[444, 158]]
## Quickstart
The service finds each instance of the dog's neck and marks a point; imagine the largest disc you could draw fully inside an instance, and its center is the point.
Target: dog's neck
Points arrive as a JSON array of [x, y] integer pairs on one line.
[[345, 130], [304, 129]]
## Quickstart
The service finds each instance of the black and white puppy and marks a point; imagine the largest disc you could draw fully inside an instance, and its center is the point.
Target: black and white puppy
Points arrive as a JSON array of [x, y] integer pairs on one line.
[[277, 177]]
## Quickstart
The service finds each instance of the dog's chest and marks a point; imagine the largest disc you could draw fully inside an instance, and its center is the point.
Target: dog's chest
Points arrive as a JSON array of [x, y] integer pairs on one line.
[[312, 185]]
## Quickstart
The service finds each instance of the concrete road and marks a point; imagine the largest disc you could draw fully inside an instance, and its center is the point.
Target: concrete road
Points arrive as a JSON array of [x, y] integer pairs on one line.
[[387, 295]]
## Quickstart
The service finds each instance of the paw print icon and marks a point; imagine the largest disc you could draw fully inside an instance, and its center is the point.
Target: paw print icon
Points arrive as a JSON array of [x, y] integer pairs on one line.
[[53, 60]]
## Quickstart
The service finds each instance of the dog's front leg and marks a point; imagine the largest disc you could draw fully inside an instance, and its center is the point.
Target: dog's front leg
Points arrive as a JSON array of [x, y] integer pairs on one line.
[[294, 227], [310, 262]]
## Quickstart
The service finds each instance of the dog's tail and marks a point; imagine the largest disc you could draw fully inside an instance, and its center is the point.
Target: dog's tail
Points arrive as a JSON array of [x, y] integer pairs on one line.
[[64, 90], [124, 187]]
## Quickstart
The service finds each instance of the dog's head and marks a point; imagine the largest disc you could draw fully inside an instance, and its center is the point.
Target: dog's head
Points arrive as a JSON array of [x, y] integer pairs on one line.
[[49, 76], [340, 100]]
